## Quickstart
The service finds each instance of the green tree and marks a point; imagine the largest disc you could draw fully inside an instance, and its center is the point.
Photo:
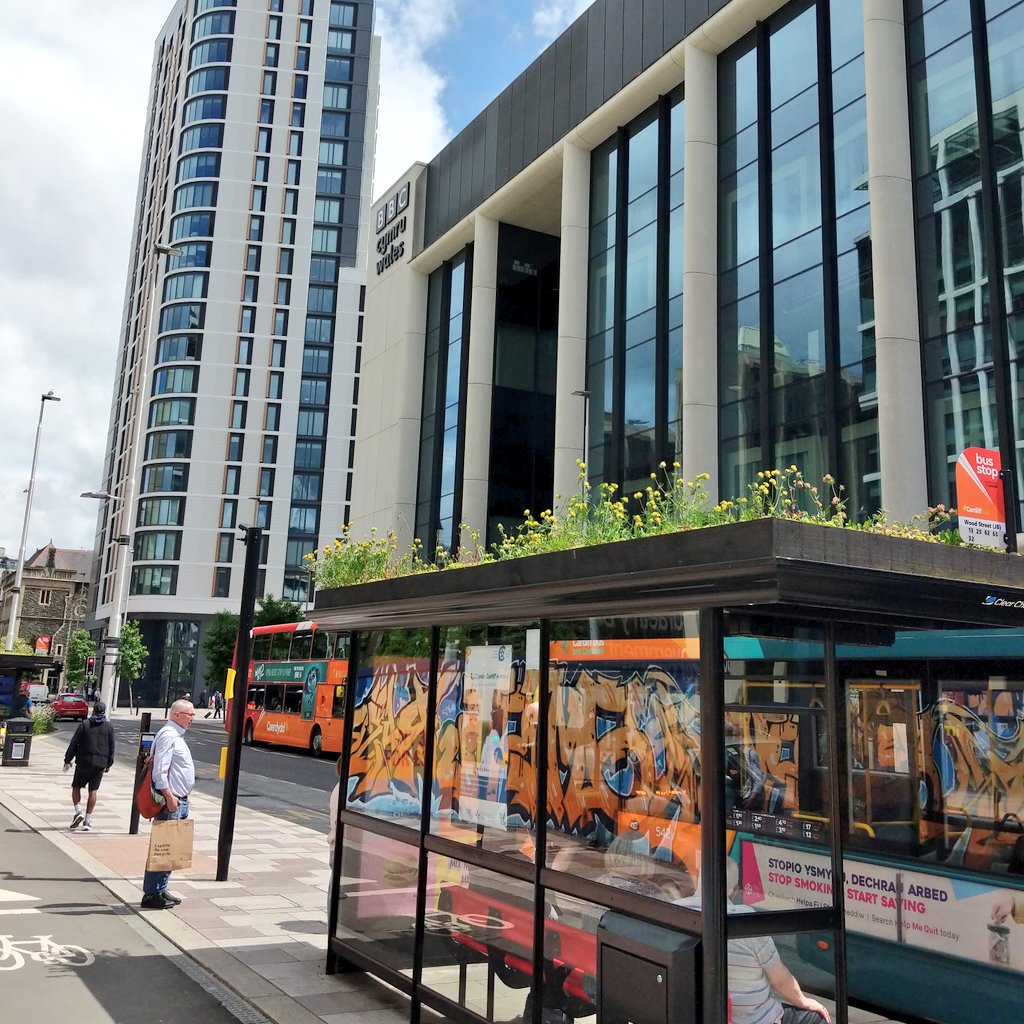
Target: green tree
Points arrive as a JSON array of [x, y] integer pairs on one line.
[[80, 648], [22, 648], [131, 653], [219, 640]]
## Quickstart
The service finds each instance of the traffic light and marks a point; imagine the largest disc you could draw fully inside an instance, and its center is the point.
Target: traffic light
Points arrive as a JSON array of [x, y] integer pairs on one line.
[[90, 666]]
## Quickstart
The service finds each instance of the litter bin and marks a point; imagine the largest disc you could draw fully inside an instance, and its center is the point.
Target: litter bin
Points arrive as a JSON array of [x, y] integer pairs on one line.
[[646, 974], [17, 742]]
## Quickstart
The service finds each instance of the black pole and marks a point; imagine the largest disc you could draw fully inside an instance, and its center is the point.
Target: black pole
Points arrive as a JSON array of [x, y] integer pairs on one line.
[[140, 759], [243, 652]]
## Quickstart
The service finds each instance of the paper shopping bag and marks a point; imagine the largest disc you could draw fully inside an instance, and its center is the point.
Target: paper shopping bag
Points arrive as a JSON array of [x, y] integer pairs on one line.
[[170, 845]]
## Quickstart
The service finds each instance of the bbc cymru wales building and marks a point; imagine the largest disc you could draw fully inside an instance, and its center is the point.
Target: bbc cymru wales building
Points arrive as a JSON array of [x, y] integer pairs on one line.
[[737, 235]]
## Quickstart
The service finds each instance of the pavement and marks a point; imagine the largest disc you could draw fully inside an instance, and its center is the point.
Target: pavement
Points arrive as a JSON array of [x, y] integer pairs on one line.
[[256, 944], [251, 949]]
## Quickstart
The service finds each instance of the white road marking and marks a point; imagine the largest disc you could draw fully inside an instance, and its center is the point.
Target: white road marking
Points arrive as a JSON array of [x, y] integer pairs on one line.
[[10, 896]]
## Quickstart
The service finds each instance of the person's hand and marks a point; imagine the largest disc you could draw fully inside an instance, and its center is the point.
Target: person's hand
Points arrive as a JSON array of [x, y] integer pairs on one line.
[[107, 769], [171, 801], [1003, 907], [67, 766], [813, 1004]]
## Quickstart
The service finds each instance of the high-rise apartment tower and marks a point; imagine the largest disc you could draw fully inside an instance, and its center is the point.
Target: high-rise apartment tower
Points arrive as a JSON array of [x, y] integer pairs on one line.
[[237, 374]]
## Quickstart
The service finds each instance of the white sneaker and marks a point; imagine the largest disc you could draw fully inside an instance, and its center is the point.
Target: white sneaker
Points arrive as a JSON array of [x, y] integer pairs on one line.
[[77, 820], [86, 827]]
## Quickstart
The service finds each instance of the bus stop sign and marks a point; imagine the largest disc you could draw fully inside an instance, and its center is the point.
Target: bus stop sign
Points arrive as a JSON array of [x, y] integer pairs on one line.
[[979, 497]]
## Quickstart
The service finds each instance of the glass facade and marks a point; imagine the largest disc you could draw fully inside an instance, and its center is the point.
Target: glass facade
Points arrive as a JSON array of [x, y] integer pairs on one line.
[[438, 498], [635, 316], [796, 337], [967, 86]]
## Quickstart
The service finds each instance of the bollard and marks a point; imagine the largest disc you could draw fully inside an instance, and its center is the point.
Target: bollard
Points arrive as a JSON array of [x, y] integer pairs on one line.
[[145, 745]]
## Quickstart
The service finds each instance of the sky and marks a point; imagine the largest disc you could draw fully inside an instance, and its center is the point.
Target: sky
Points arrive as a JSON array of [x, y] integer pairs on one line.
[[74, 78]]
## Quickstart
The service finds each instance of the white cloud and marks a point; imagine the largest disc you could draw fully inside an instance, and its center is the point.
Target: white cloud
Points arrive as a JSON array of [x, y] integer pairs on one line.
[[412, 124], [550, 17], [73, 90]]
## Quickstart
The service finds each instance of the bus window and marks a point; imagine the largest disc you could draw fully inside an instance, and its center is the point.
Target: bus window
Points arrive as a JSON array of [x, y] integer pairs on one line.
[[338, 704], [261, 647], [341, 645], [293, 699], [277, 649], [321, 645], [257, 696], [275, 697], [302, 644]]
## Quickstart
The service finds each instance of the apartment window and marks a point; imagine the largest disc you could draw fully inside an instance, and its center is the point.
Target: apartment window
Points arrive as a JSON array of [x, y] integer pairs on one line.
[[323, 269], [243, 351], [250, 290], [175, 380], [284, 261], [288, 232], [170, 412], [277, 352], [342, 15], [255, 229], [326, 239], [238, 415], [252, 258], [309, 455], [330, 181], [225, 547], [273, 28], [338, 96], [298, 115], [263, 515], [178, 347], [247, 320], [292, 177], [280, 321], [199, 165], [236, 446], [266, 487], [158, 579], [311, 423], [275, 5], [316, 360], [221, 582], [269, 453], [335, 124], [290, 206], [185, 286], [192, 225], [306, 8], [204, 136], [228, 514], [45, 597], [271, 54], [299, 87], [305, 33], [204, 108], [275, 384], [339, 41], [216, 51], [169, 444], [232, 479], [332, 152], [161, 512], [207, 80], [306, 487], [321, 300], [270, 82], [273, 417], [171, 476], [338, 69], [295, 143], [203, 194], [319, 329], [302, 58], [157, 546], [241, 388], [313, 391], [266, 111], [328, 210], [284, 292], [263, 137]]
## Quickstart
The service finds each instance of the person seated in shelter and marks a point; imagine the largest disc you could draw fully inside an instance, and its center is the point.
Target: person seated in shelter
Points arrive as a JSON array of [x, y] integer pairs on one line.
[[762, 988]]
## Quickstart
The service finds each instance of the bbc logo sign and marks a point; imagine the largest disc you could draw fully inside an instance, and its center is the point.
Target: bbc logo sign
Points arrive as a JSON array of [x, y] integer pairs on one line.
[[393, 208]]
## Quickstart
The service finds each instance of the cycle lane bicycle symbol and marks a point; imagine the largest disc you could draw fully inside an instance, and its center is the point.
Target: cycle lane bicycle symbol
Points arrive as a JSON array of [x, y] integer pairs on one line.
[[43, 950]]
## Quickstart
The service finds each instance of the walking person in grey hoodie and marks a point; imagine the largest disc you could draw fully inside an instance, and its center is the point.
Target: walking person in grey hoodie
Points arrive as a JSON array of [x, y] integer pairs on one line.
[[92, 750]]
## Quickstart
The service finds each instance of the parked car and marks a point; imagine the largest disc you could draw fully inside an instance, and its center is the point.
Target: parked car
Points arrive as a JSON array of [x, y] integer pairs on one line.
[[70, 705]]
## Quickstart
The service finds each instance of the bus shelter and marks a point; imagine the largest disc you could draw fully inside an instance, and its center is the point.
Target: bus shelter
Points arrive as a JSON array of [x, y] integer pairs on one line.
[[593, 785]]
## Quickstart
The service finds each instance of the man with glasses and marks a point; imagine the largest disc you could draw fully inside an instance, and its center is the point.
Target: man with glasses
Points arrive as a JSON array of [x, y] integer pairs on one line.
[[174, 776]]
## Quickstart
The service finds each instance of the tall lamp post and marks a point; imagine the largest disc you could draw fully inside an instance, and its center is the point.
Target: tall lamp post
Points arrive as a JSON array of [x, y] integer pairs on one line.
[[585, 395], [13, 622], [112, 640]]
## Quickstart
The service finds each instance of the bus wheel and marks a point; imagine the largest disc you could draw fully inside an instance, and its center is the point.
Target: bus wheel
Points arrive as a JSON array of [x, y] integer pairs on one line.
[[247, 735], [316, 743]]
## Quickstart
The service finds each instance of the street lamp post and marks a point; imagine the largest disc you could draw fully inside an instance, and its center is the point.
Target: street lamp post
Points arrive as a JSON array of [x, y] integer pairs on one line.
[[12, 624], [585, 395], [112, 640]]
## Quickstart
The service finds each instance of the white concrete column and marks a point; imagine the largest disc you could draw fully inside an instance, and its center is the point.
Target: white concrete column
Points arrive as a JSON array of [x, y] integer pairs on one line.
[[480, 377], [901, 414], [571, 410], [700, 268]]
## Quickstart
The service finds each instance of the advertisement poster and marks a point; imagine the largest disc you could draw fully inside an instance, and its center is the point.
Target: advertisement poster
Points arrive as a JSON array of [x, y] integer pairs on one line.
[[309, 673], [486, 685], [967, 919], [42, 645]]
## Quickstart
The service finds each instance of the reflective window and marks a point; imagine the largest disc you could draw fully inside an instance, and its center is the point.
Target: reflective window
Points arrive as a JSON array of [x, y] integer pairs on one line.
[[203, 136], [161, 512], [167, 412], [191, 225], [205, 108], [207, 80], [216, 51], [338, 96], [185, 286], [157, 579], [193, 254], [202, 165], [156, 546], [216, 24], [178, 347], [306, 486], [176, 380], [171, 476], [169, 444]]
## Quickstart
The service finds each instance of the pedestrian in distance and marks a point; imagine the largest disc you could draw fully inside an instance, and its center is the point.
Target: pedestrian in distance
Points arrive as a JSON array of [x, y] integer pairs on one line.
[[218, 705], [174, 777], [201, 702], [92, 750], [21, 704]]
